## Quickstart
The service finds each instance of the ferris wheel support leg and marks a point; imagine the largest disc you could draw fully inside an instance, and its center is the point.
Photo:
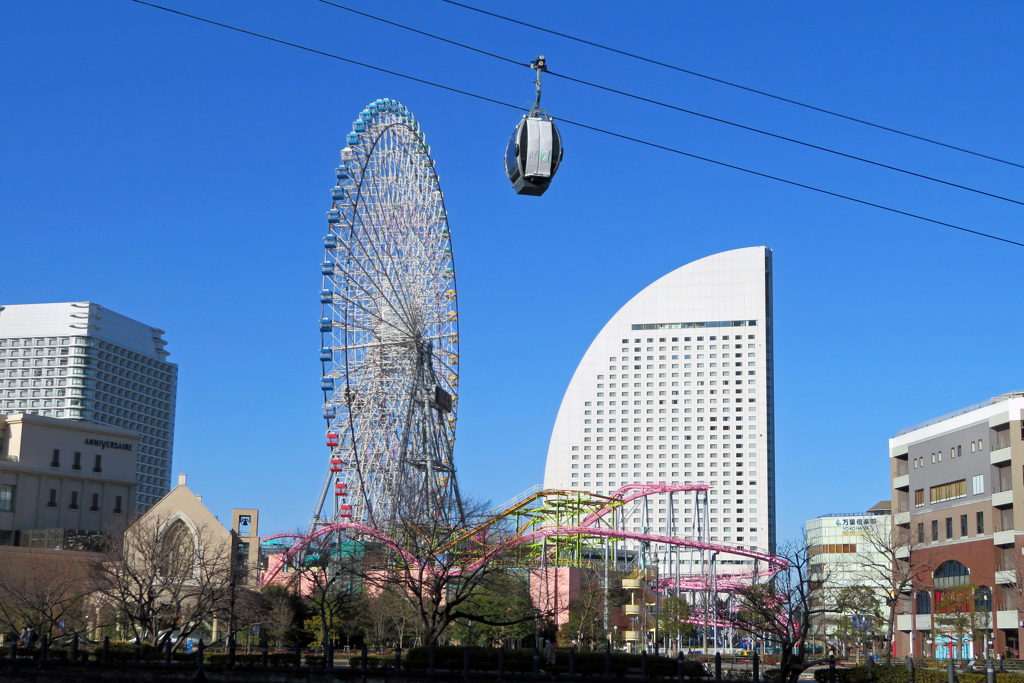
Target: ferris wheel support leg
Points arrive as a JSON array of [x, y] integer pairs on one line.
[[318, 511]]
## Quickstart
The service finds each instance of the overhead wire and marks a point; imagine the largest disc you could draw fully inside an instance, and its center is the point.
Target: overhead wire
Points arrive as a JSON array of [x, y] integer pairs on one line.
[[585, 126], [660, 103], [739, 86]]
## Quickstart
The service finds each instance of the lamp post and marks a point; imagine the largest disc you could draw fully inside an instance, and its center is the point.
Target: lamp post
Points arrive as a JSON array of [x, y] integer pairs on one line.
[[657, 614]]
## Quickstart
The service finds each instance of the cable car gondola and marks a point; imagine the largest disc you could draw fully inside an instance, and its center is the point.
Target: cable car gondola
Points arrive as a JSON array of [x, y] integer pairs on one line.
[[535, 149]]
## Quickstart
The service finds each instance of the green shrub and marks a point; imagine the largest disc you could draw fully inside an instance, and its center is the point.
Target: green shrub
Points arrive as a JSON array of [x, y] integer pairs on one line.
[[241, 659], [125, 652], [897, 674]]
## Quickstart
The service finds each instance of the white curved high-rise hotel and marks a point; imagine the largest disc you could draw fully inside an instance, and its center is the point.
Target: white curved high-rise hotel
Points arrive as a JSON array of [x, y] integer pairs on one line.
[[678, 387]]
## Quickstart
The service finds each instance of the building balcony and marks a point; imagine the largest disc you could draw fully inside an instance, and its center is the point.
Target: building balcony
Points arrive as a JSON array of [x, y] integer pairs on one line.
[[1001, 499], [631, 610], [903, 552], [904, 622], [634, 584], [1006, 577], [901, 482], [923, 622], [901, 518], [632, 635], [1005, 537], [1007, 618], [997, 457]]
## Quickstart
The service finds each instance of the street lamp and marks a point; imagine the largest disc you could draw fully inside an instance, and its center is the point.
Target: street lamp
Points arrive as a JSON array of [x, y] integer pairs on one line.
[[657, 615]]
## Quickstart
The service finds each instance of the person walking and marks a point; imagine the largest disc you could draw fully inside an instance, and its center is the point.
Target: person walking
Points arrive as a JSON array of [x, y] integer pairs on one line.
[[549, 652]]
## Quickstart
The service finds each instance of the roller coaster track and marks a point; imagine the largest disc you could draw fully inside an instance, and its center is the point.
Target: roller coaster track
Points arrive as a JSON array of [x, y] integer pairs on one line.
[[538, 527]]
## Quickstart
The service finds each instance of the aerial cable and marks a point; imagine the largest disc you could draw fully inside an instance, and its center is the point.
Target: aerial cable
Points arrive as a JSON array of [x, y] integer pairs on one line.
[[581, 125], [708, 117], [731, 84], [794, 183], [425, 33], [785, 138]]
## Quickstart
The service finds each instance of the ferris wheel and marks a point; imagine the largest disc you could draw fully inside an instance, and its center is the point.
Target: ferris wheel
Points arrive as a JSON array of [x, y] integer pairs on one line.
[[389, 330]]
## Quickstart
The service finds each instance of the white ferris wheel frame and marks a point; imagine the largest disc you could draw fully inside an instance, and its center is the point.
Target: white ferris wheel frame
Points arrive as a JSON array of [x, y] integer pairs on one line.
[[389, 328]]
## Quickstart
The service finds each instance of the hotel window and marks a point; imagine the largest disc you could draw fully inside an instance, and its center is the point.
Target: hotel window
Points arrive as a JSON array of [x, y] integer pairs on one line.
[[117, 505], [935, 530], [98, 466], [52, 503], [95, 507], [949, 527], [74, 501], [981, 522], [920, 532], [918, 498], [963, 525], [978, 484], [56, 458], [77, 464]]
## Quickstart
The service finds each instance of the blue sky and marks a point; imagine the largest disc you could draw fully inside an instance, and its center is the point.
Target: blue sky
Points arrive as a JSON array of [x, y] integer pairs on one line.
[[178, 173]]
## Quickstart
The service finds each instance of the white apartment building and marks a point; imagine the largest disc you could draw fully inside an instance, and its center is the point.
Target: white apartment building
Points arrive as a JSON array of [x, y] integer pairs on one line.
[[844, 550], [678, 387], [80, 361]]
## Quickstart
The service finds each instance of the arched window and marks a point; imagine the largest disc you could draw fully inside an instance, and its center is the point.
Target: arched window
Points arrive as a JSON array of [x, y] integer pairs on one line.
[[951, 573], [177, 549]]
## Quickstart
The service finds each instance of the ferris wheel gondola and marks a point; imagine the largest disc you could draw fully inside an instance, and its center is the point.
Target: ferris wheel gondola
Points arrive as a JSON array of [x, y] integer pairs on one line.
[[535, 149], [389, 330]]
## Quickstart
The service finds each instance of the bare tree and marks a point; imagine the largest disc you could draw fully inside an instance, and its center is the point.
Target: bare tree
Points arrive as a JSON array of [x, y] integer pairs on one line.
[[891, 567], [585, 625], [48, 591], [436, 569], [327, 576], [280, 617], [785, 607], [164, 577], [387, 616]]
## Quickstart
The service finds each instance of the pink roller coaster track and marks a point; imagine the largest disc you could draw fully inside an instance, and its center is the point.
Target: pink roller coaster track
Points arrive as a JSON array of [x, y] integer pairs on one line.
[[589, 527]]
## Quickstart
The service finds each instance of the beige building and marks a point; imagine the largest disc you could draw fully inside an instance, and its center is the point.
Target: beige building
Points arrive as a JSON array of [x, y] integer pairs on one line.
[[182, 513], [187, 567], [62, 481]]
